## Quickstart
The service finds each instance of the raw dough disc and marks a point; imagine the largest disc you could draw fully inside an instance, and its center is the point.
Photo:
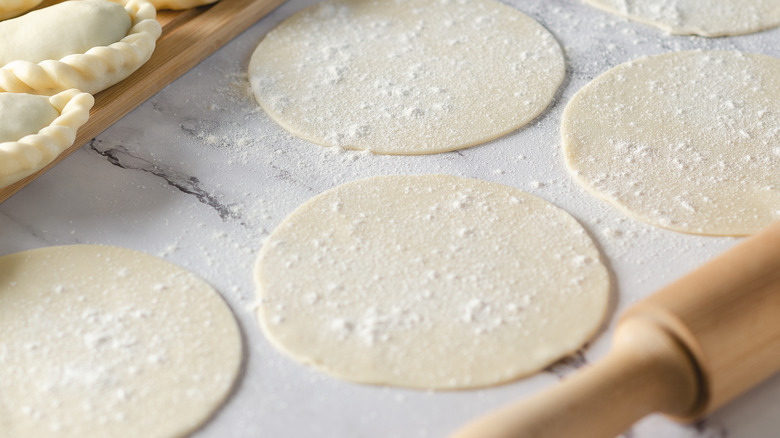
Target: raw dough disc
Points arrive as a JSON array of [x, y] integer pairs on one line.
[[710, 18], [688, 141], [398, 77], [429, 281], [101, 341]]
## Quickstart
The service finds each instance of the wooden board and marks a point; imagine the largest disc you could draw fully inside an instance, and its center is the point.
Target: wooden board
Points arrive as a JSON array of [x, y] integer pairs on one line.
[[188, 37]]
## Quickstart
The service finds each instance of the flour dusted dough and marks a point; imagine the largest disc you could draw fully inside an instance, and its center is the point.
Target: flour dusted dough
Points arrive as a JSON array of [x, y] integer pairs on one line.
[[689, 141], [101, 342], [88, 44], [406, 77], [710, 18], [429, 281], [34, 130], [12, 8]]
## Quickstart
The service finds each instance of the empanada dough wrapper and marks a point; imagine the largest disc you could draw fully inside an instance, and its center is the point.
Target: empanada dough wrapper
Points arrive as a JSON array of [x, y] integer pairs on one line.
[[31, 153], [93, 71]]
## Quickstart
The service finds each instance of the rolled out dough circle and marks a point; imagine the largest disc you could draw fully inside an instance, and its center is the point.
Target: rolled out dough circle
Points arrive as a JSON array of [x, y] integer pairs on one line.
[[709, 18], [689, 141], [101, 341], [429, 281], [398, 77]]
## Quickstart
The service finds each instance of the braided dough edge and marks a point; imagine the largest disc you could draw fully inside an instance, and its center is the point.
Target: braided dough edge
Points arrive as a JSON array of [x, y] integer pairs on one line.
[[20, 159], [97, 69]]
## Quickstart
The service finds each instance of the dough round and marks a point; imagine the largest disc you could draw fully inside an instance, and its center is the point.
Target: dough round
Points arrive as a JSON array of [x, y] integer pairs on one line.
[[406, 78], [429, 281], [689, 141], [709, 18], [101, 341]]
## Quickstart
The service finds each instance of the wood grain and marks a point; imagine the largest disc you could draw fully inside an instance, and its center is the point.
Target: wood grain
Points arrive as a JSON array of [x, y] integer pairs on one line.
[[727, 314], [188, 37]]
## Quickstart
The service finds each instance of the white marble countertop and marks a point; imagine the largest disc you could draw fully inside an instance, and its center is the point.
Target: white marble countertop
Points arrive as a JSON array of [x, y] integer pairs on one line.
[[199, 176]]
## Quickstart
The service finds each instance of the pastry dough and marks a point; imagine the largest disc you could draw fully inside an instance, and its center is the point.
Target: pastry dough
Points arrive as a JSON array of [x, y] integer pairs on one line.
[[180, 4], [710, 18], [689, 141], [103, 342], [24, 114], [406, 77], [72, 27], [41, 133], [12, 8], [92, 51], [429, 281]]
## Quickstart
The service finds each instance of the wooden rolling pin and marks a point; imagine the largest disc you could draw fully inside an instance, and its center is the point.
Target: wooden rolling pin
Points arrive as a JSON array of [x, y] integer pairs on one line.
[[684, 351]]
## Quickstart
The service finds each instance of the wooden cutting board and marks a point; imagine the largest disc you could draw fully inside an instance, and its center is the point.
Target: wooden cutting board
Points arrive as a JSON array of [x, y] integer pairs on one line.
[[188, 37]]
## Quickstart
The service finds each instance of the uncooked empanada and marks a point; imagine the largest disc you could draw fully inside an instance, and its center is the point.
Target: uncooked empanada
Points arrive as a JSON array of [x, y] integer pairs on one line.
[[34, 130], [12, 8], [88, 44]]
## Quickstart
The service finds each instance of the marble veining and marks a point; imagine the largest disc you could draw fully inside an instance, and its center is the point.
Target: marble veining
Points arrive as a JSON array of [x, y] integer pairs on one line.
[[119, 156]]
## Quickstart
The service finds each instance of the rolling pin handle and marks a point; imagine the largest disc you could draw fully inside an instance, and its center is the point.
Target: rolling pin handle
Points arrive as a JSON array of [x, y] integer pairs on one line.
[[647, 371]]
